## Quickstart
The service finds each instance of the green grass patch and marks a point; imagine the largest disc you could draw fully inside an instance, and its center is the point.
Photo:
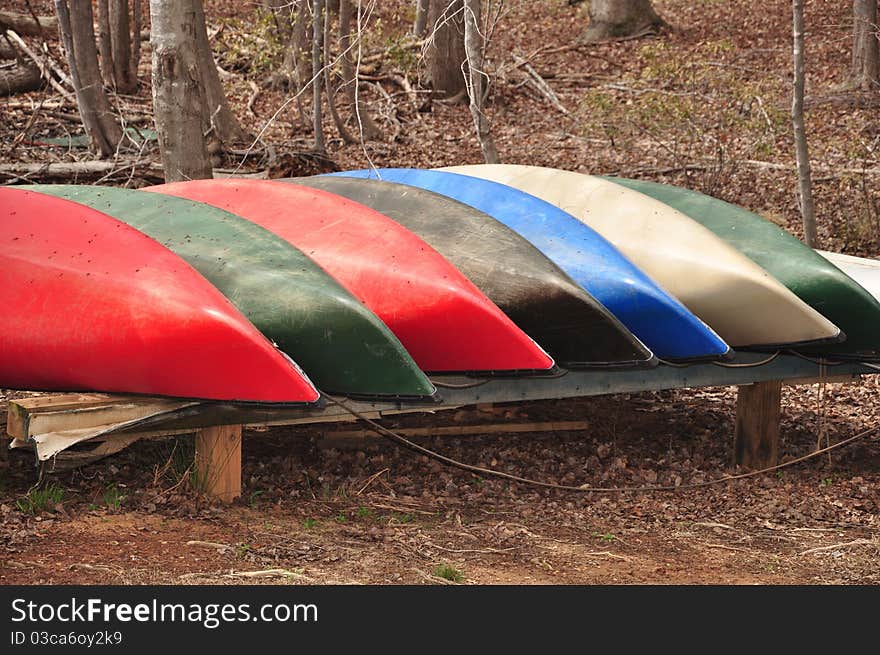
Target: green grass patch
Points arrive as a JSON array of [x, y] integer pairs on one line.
[[448, 572], [113, 497], [605, 536], [41, 498], [254, 498]]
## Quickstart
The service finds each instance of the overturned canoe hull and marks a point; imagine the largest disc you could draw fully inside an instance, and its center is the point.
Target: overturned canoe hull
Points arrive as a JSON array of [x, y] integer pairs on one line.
[[94, 305], [736, 297], [536, 294], [662, 323], [339, 343], [442, 319], [823, 286], [862, 270]]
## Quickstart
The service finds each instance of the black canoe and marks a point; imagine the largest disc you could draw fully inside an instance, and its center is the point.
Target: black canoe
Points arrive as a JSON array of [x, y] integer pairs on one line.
[[537, 295]]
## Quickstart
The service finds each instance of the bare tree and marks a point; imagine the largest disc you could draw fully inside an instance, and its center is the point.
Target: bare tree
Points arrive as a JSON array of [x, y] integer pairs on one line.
[[178, 92], [294, 27], [317, 64], [119, 58], [802, 153], [445, 51], [136, 37], [866, 45], [328, 83], [75, 22], [224, 125], [105, 50], [477, 78], [420, 23], [612, 19], [366, 125], [124, 65]]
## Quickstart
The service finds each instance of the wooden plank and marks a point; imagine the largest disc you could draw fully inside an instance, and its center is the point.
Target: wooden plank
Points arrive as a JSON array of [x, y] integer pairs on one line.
[[456, 391], [218, 461], [60, 413], [756, 439], [461, 430], [21, 409], [573, 384], [352, 439], [59, 401]]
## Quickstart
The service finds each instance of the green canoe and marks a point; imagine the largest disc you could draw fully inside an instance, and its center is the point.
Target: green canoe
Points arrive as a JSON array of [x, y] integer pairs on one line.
[[339, 343], [807, 274]]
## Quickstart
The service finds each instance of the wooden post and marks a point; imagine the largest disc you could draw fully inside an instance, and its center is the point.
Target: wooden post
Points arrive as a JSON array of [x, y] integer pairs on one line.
[[218, 461], [756, 440]]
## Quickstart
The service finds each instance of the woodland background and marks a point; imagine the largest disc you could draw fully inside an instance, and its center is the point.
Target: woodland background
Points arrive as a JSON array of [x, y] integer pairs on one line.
[[701, 98]]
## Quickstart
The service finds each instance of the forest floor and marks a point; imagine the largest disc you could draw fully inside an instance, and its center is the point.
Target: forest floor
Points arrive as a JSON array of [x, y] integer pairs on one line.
[[704, 106]]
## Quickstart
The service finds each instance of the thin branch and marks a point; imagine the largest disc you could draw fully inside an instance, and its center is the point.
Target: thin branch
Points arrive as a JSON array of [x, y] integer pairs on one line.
[[802, 153]]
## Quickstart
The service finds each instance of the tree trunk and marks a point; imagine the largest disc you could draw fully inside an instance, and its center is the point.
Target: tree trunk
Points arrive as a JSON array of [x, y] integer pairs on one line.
[[224, 124], [366, 125], [866, 45], [614, 19], [420, 24], [445, 52], [78, 36], [292, 67], [105, 50], [317, 65], [178, 94], [473, 44], [805, 189], [328, 83], [136, 39], [124, 77]]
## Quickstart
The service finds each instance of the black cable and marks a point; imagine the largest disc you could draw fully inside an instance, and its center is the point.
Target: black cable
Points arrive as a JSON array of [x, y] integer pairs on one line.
[[448, 385], [750, 364], [393, 436]]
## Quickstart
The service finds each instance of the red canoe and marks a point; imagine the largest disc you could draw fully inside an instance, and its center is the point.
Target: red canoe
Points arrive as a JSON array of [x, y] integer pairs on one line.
[[440, 317], [94, 305]]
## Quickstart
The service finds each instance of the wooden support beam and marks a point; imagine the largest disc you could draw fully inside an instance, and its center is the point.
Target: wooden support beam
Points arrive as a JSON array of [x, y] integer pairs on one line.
[[53, 424], [359, 437], [756, 439], [218, 461]]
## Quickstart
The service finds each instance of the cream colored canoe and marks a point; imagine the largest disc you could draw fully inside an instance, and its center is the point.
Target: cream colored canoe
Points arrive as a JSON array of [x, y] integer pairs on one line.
[[727, 290], [864, 271]]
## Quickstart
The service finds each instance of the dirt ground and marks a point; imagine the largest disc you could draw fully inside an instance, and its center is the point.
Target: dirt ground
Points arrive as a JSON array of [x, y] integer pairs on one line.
[[373, 513], [704, 106]]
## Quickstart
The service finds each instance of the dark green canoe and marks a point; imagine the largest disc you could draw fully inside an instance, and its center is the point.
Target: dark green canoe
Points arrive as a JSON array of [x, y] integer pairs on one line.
[[807, 274], [537, 295], [338, 342]]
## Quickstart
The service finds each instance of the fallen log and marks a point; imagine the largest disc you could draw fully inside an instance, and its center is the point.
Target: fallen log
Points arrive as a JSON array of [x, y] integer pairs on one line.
[[18, 78], [80, 170], [26, 25], [43, 67]]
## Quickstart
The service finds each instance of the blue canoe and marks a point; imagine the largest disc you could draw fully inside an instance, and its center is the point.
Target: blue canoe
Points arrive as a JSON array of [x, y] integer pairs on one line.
[[660, 321]]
